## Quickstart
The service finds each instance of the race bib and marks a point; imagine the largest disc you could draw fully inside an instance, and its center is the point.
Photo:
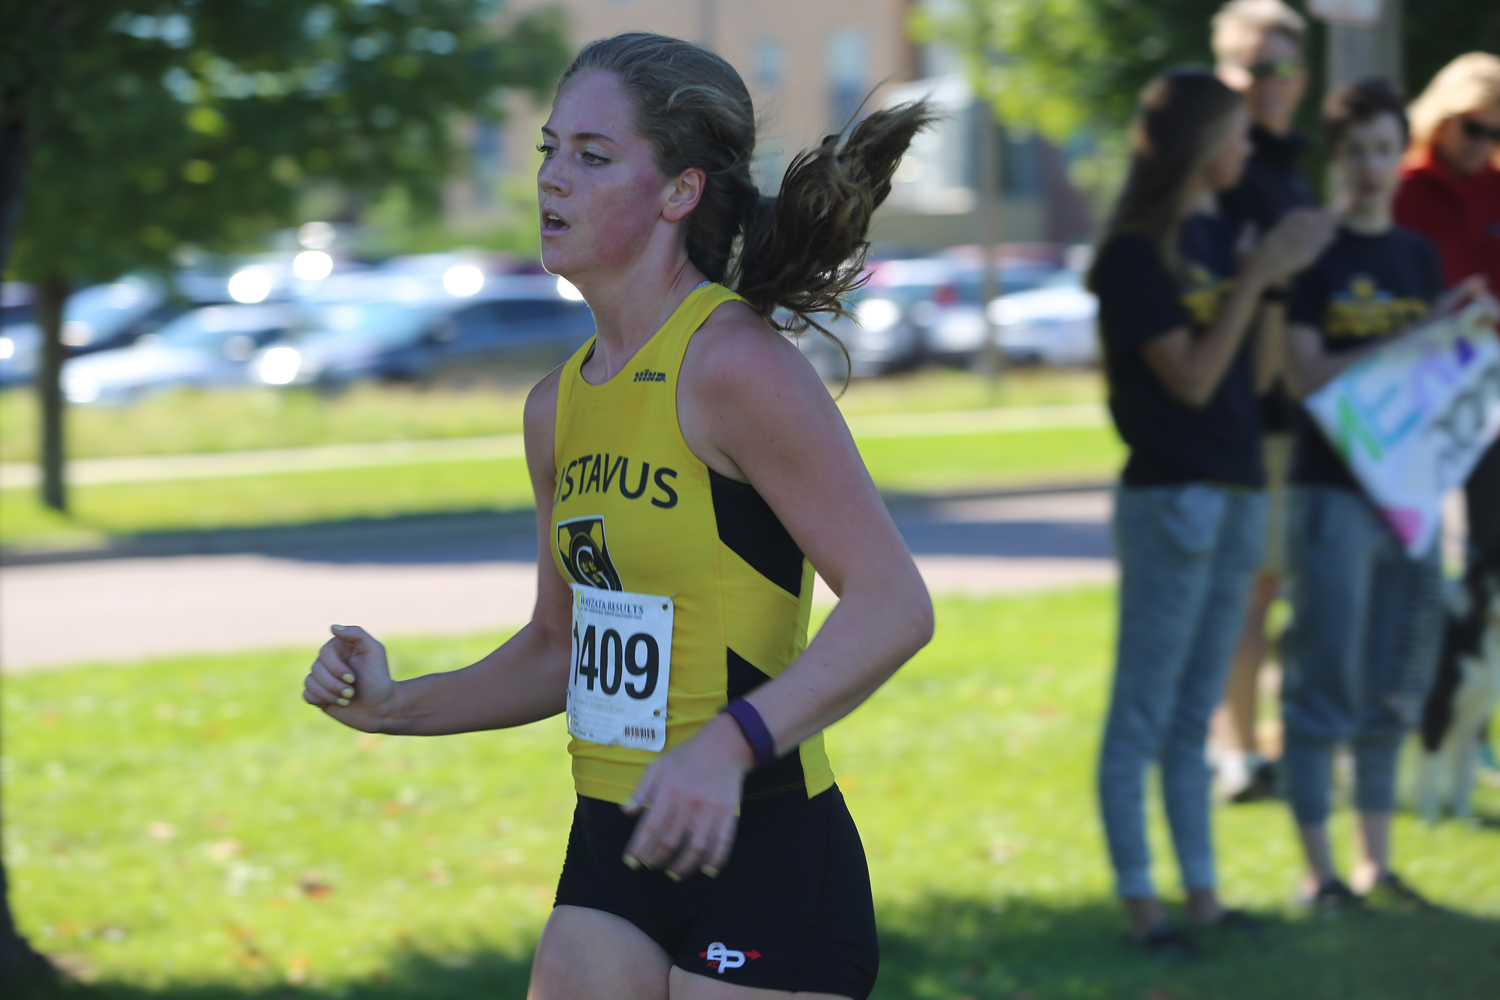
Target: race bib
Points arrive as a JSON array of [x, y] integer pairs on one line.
[[622, 660]]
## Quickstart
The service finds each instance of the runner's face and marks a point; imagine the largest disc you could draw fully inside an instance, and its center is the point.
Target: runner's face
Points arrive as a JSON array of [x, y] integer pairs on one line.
[[600, 193], [1369, 160]]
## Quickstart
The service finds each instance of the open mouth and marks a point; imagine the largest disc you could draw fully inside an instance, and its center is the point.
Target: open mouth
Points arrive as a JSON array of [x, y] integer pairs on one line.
[[553, 223]]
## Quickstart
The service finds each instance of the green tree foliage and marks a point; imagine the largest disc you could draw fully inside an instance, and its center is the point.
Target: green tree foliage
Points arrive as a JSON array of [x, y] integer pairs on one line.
[[159, 124], [150, 125]]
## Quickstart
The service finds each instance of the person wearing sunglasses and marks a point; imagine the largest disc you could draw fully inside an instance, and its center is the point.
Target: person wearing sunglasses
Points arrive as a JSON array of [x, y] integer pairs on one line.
[[1257, 48], [1450, 193]]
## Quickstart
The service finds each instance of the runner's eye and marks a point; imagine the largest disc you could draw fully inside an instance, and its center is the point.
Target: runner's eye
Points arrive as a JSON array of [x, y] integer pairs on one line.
[[545, 149], [593, 158]]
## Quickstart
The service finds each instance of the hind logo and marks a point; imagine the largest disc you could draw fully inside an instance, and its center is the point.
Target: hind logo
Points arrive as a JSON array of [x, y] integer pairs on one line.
[[580, 543]]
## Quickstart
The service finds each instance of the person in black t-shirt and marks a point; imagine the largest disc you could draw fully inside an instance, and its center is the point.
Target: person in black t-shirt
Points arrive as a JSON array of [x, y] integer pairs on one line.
[[1258, 50], [1174, 311], [1367, 618]]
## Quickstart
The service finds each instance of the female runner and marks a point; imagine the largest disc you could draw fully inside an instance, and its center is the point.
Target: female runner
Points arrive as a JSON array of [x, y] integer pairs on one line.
[[690, 472]]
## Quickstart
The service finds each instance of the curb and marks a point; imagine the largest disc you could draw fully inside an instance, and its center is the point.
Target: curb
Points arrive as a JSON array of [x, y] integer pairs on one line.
[[290, 537]]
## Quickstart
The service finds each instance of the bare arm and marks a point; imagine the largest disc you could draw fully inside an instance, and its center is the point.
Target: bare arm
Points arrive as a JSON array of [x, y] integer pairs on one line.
[[523, 681], [761, 414], [752, 408], [1191, 367]]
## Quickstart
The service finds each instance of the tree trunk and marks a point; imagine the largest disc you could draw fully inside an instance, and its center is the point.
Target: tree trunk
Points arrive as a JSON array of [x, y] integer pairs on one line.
[[23, 972], [51, 296]]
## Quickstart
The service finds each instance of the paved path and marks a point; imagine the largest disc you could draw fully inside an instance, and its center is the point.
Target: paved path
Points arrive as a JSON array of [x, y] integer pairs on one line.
[[455, 582]]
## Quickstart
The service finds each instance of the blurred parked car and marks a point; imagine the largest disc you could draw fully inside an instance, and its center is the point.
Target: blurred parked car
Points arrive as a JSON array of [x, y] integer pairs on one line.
[[103, 318], [893, 313], [1056, 324], [958, 328], [419, 329], [205, 347]]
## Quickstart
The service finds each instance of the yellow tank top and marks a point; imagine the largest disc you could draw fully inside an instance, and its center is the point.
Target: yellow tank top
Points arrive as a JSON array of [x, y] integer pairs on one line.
[[635, 510]]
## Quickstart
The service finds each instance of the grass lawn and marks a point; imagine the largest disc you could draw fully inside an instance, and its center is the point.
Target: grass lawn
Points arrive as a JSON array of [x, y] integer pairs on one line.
[[908, 464], [188, 422], [187, 828]]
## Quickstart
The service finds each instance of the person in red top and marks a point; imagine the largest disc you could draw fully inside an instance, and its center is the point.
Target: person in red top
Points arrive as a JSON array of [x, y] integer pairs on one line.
[[1450, 193]]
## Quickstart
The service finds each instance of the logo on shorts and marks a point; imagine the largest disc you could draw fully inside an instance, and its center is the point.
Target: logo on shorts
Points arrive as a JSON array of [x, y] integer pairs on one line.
[[727, 958], [580, 543]]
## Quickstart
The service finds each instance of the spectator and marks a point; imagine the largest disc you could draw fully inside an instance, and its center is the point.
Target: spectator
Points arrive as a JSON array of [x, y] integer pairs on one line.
[[1450, 193], [1366, 616], [1258, 51], [1189, 512]]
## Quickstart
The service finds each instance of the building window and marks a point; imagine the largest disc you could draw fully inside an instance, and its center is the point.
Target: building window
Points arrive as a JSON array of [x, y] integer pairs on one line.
[[770, 64], [848, 68]]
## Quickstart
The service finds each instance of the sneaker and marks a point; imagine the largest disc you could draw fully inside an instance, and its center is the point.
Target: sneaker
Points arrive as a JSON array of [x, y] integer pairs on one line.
[[1391, 894], [1333, 898], [1237, 922], [1261, 786]]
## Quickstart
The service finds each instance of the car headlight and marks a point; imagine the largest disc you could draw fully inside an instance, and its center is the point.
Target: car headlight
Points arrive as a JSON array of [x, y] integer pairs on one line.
[[279, 366], [875, 315]]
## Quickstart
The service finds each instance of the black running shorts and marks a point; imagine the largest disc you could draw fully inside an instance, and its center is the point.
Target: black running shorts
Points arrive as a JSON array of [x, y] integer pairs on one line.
[[790, 911]]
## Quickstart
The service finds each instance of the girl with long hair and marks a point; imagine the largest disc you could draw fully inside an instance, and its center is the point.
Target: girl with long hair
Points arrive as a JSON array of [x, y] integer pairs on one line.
[[691, 472], [1175, 308]]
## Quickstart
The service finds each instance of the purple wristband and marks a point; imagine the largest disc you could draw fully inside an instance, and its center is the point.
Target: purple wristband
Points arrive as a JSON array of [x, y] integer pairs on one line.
[[756, 733]]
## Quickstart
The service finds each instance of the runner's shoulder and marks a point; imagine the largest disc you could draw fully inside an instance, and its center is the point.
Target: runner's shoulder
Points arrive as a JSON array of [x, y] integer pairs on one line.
[[736, 352], [539, 418]]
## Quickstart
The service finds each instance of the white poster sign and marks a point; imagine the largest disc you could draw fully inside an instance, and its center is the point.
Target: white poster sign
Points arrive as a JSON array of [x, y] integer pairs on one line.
[[1413, 418]]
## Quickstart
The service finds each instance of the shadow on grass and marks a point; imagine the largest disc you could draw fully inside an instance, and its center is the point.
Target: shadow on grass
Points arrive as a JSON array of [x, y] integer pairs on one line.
[[1025, 950]]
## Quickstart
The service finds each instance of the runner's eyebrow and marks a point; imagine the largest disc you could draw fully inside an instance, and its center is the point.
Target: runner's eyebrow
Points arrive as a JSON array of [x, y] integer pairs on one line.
[[583, 136]]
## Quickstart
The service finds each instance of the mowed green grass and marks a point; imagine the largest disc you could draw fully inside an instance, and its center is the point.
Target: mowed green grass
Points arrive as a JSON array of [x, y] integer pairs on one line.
[[196, 421], [187, 828], [906, 464]]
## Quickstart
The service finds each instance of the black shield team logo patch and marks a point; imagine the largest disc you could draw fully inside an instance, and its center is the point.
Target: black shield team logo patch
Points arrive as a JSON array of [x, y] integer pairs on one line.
[[580, 543]]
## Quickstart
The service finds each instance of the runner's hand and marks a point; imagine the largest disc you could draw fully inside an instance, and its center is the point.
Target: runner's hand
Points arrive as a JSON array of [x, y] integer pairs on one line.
[[687, 801], [351, 680]]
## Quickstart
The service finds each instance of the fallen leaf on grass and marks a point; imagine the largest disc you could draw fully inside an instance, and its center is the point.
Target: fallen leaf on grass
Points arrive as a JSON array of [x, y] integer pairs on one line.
[[313, 887], [296, 971], [223, 850], [436, 873], [161, 831]]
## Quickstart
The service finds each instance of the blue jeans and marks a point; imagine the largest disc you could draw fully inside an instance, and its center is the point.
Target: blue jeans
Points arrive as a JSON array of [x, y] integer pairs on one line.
[[1367, 624], [1187, 555]]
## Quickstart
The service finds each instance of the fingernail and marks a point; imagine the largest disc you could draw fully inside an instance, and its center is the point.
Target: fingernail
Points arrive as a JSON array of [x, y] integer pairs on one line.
[[630, 862], [348, 678], [710, 871], [338, 628], [673, 876], [348, 692], [344, 702], [629, 804]]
